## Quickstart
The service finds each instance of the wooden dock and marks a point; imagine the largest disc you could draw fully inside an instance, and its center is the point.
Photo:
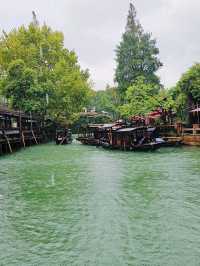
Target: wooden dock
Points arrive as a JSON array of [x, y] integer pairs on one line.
[[18, 129], [187, 136], [191, 136]]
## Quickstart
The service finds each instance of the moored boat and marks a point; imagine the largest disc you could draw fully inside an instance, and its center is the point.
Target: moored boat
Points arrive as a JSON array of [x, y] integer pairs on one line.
[[120, 137], [152, 146], [172, 141], [88, 141], [63, 136]]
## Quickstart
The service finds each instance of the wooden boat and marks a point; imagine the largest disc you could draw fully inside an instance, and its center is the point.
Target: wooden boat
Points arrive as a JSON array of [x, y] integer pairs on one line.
[[63, 136], [94, 134], [152, 146], [107, 145], [112, 136], [172, 142], [132, 139], [88, 141]]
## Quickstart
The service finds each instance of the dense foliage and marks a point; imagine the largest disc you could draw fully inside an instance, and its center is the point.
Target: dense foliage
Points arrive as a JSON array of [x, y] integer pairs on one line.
[[186, 93], [189, 84], [106, 101], [83, 121], [138, 85], [37, 73], [142, 98], [136, 55]]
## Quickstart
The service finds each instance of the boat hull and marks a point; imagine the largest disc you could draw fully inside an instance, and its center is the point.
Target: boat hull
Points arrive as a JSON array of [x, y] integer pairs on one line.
[[88, 141], [146, 147]]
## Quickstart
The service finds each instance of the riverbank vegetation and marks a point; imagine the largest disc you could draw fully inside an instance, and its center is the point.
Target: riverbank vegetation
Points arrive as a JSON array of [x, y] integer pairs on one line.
[[138, 87]]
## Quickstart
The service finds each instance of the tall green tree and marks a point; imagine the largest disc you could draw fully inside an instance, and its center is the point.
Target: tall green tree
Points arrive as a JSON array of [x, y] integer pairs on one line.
[[136, 55], [37, 73]]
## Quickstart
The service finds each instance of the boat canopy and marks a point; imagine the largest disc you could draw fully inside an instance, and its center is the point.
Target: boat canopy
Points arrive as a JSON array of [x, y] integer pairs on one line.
[[129, 129], [151, 129], [197, 110], [95, 125], [108, 125]]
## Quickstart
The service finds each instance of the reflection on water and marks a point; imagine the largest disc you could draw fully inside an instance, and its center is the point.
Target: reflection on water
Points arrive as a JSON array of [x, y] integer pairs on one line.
[[78, 205]]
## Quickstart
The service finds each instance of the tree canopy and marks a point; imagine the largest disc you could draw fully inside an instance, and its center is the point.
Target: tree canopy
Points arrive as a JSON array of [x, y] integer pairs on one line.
[[37, 73], [186, 93], [106, 100], [136, 55], [142, 98], [189, 83]]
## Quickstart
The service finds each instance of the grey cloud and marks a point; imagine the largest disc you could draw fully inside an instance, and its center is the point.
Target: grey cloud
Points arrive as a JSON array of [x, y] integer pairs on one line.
[[94, 28]]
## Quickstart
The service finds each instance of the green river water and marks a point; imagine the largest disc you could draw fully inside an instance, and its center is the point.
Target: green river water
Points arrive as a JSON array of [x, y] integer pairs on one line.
[[80, 205]]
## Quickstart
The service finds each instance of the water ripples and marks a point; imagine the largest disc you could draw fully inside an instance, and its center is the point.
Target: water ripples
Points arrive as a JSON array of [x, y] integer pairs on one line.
[[79, 205]]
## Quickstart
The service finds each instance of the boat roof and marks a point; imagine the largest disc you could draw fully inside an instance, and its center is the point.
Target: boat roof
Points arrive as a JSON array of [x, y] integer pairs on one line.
[[108, 125], [95, 125], [4, 110], [195, 110], [151, 129], [129, 129], [113, 126]]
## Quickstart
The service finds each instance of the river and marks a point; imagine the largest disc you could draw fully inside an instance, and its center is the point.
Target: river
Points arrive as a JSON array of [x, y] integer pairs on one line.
[[81, 205]]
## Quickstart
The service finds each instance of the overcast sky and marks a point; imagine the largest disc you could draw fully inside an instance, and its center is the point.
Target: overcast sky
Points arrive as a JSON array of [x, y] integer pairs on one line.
[[94, 28]]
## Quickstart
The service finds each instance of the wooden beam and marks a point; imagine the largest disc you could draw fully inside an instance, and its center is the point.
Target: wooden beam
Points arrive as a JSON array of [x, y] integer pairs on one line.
[[9, 145], [63, 140], [34, 136], [23, 139]]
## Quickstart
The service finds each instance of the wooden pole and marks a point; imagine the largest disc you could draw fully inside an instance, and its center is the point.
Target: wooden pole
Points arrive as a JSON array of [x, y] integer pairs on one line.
[[9, 145], [63, 140], [31, 121], [23, 139], [34, 136], [198, 112], [20, 127]]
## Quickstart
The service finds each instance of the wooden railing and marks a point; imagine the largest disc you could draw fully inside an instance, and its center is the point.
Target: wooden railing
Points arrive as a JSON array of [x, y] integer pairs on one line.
[[193, 131]]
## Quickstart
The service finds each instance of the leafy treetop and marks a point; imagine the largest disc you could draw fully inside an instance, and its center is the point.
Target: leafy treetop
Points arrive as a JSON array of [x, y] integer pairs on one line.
[[136, 55], [33, 64]]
